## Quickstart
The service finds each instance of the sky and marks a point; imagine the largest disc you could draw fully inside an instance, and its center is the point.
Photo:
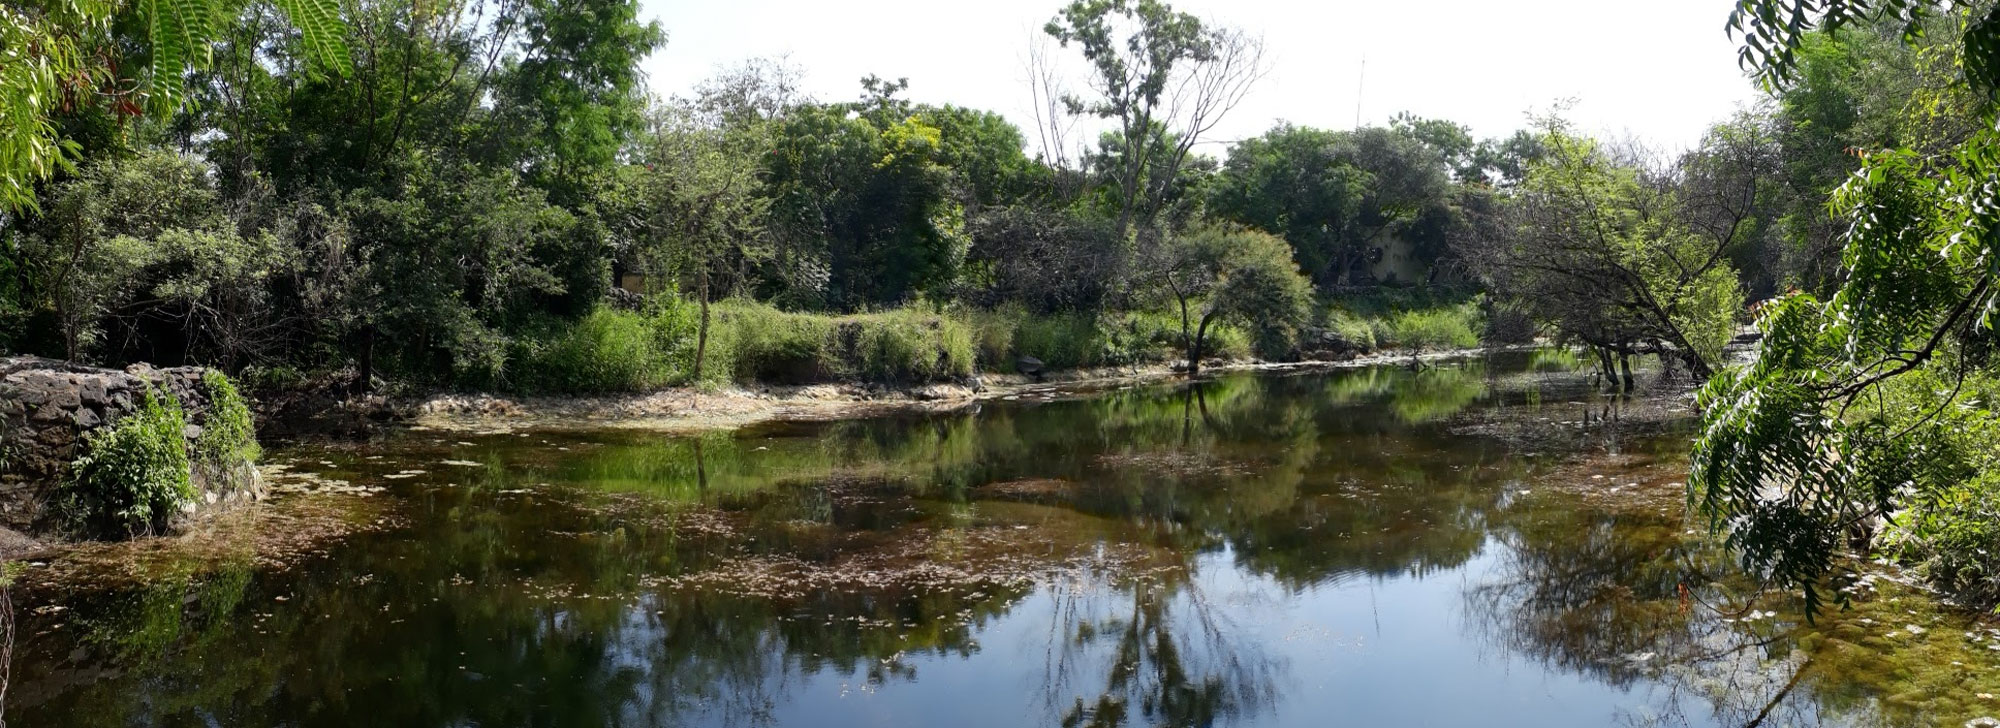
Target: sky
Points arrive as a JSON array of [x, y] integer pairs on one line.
[[1660, 72]]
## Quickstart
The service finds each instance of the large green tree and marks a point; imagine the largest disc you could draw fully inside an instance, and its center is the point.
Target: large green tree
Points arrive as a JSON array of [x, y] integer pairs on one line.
[[1216, 274], [1625, 261], [1163, 79], [1339, 197], [1812, 443]]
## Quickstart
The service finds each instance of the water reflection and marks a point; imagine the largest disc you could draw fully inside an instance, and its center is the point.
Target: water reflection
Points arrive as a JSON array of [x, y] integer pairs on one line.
[[1245, 550]]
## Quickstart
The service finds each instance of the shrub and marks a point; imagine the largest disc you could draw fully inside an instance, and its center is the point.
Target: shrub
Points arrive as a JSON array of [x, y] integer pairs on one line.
[[133, 474], [1351, 328], [1061, 341], [774, 346], [606, 351], [993, 335], [908, 346], [903, 345], [1455, 327], [227, 434], [1954, 539], [611, 350], [1409, 319]]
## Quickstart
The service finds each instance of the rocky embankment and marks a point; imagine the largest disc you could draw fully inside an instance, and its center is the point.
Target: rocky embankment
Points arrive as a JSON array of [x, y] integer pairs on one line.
[[48, 409]]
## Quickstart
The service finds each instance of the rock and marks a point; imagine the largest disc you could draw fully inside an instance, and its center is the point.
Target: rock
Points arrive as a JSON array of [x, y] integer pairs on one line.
[[93, 392], [51, 412], [1028, 365], [1983, 722], [48, 410], [66, 398]]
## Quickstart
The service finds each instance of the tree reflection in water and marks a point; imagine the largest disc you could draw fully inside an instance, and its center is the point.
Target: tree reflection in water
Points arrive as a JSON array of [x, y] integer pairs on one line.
[[808, 572]]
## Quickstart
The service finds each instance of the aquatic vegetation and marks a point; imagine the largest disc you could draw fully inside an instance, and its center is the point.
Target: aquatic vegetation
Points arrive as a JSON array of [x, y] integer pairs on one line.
[[1186, 549]]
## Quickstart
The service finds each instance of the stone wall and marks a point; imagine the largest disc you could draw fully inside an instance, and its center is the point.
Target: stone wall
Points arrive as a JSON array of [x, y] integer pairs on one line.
[[47, 408]]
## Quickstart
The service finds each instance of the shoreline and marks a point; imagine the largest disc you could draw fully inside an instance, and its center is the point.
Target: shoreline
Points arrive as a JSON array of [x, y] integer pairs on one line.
[[688, 409]]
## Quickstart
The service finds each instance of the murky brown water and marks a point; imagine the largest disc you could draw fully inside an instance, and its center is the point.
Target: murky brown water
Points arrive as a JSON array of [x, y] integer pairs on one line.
[[1371, 547]]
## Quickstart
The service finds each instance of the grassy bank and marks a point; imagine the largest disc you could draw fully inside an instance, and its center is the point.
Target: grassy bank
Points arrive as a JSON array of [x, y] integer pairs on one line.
[[1423, 319], [613, 350]]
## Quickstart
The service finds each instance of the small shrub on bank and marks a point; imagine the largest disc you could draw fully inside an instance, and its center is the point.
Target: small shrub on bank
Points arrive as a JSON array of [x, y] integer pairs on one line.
[[609, 351], [133, 474], [1954, 539], [1351, 328], [227, 434], [1455, 327], [1060, 341], [904, 345], [770, 345], [1409, 319], [911, 346]]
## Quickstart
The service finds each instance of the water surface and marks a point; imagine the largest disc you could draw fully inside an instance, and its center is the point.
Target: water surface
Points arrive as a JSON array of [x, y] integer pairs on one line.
[[1467, 545]]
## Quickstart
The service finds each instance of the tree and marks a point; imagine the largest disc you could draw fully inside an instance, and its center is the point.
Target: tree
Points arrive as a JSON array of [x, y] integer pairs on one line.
[[70, 49], [1046, 260], [1802, 448], [1623, 261], [702, 202], [575, 89], [1164, 79], [1338, 197], [1220, 274], [1451, 141]]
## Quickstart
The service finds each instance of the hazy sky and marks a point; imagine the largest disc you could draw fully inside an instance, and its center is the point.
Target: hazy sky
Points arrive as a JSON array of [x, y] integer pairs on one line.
[[1661, 71]]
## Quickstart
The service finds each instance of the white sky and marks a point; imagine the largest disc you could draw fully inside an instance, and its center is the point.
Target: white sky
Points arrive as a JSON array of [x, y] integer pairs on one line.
[[1658, 71]]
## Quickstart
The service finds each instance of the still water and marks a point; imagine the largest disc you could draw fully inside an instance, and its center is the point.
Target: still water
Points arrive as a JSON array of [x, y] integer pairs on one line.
[[1484, 543]]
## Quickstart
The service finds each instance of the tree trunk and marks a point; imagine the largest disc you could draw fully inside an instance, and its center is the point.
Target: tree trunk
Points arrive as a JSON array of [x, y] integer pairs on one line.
[[365, 382], [701, 335], [1625, 364], [1605, 368], [1697, 367], [1195, 346]]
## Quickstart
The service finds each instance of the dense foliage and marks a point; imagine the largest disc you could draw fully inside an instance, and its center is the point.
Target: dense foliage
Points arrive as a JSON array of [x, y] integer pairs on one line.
[[1869, 410], [133, 474], [481, 195]]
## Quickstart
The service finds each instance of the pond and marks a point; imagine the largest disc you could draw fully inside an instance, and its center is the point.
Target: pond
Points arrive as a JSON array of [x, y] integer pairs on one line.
[[1485, 542]]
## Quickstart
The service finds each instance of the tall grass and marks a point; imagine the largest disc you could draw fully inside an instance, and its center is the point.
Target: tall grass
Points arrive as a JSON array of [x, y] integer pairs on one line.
[[608, 351], [634, 351], [1418, 319], [907, 345]]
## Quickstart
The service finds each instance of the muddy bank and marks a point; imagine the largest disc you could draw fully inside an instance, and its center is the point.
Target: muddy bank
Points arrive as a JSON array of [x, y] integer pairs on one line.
[[682, 409]]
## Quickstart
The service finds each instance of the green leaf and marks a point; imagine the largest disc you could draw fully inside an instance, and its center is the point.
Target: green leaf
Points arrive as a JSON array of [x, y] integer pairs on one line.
[[322, 31]]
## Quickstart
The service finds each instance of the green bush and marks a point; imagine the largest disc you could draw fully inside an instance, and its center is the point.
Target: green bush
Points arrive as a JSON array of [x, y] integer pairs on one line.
[[770, 345], [993, 333], [1455, 327], [133, 474], [1348, 326], [227, 434], [1409, 318], [911, 346], [606, 351], [611, 351], [1061, 341], [903, 345], [1953, 539]]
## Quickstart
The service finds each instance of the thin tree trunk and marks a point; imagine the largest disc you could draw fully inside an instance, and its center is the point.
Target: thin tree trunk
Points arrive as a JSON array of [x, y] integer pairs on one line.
[[1605, 368], [1625, 364], [701, 335], [1195, 347], [366, 381]]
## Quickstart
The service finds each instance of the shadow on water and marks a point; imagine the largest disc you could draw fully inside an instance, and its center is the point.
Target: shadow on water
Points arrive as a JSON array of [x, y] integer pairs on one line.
[[1246, 550]]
